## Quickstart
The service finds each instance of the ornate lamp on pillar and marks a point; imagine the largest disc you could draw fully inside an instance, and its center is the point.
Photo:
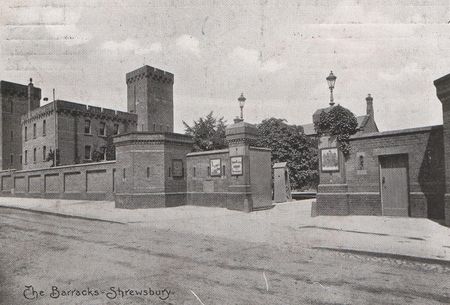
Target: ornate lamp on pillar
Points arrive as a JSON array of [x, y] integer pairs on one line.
[[241, 101], [331, 79]]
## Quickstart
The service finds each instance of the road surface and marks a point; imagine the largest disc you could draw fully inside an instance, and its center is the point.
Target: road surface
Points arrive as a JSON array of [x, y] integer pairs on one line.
[[54, 260]]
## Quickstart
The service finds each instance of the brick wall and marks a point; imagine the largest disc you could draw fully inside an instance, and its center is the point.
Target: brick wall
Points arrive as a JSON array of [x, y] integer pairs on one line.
[[94, 181], [426, 176]]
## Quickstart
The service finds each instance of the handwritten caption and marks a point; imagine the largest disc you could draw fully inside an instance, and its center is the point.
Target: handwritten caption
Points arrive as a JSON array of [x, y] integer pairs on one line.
[[111, 293]]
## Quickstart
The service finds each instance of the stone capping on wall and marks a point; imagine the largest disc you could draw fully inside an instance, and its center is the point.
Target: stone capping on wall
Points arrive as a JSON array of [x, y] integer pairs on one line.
[[64, 166], [79, 109], [145, 137], [396, 132], [260, 148], [208, 152]]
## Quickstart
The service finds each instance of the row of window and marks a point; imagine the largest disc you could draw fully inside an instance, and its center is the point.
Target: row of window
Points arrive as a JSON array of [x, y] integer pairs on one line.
[[87, 154], [44, 130], [87, 129], [101, 130], [44, 155]]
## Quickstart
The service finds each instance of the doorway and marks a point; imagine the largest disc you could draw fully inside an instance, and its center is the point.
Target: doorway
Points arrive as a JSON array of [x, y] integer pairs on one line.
[[394, 185]]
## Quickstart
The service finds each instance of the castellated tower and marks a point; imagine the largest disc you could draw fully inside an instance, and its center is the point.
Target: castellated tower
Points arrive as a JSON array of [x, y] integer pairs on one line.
[[150, 96]]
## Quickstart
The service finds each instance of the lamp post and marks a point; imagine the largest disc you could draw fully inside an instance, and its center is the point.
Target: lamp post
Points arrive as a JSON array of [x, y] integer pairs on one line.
[[242, 100], [331, 79]]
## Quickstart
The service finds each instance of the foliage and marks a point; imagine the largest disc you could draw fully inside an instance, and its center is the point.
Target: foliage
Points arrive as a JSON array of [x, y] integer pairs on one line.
[[208, 133], [289, 144], [51, 157], [339, 122], [110, 148], [97, 156]]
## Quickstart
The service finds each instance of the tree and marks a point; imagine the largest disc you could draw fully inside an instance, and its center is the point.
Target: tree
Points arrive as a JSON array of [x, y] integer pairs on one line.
[[338, 122], [289, 144], [51, 157], [208, 133]]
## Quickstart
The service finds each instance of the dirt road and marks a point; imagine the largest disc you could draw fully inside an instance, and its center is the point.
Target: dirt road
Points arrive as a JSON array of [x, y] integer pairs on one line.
[[53, 260]]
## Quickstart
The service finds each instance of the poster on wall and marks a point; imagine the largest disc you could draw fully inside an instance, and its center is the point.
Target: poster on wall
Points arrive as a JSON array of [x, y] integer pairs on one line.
[[236, 166], [215, 167], [177, 166], [329, 159]]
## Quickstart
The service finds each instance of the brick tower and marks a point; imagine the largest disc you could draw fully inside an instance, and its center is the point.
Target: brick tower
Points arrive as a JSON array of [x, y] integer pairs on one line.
[[150, 96], [16, 100]]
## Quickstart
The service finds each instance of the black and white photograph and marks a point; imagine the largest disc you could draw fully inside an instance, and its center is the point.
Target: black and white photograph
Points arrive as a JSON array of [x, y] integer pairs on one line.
[[204, 152]]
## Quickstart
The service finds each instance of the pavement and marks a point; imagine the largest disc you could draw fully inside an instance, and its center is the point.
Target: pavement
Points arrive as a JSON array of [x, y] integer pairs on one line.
[[287, 225]]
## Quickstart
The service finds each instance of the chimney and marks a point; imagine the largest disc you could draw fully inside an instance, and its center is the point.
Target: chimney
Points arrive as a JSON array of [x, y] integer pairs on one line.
[[30, 89], [369, 100]]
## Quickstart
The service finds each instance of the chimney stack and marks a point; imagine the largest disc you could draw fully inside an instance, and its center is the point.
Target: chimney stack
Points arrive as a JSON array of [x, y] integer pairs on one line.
[[30, 89], [369, 100]]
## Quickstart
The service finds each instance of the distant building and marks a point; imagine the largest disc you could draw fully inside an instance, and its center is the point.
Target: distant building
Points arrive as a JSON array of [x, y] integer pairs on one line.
[[30, 132], [366, 123], [77, 131], [16, 100]]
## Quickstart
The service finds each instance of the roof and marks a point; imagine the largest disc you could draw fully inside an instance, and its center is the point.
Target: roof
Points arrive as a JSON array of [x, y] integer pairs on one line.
[[309, 129]]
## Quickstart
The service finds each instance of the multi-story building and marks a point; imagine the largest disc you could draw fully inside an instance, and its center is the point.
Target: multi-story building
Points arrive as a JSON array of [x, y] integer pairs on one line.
[[16, 100], [78, 133]]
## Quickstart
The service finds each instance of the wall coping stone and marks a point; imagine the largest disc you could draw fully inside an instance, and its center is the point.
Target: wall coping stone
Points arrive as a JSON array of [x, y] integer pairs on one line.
[[396, 132], [65, 166], [208, 152]]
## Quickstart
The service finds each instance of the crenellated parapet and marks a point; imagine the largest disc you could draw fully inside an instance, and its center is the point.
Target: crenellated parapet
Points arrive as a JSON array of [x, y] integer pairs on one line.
[[155, 74], [70, 108]]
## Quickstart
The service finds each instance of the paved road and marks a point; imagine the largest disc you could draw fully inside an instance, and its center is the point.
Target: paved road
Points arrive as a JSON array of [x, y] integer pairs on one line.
[[104, 260]]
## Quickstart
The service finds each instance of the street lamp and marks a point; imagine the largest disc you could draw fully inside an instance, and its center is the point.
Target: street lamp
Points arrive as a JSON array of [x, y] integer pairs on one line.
[[331, 79], [241, 100]]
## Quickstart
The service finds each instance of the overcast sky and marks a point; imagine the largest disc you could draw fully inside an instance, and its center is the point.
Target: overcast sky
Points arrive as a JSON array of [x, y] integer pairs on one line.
[[277, 52]]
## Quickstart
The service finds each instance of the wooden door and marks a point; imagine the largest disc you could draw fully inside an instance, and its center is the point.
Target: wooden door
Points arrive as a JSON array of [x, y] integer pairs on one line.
[[394, 185]]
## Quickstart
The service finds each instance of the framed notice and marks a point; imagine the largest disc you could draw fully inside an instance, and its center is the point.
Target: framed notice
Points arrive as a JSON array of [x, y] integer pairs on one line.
[[329, 159], [215, 166], [177, 168], [236, 166]]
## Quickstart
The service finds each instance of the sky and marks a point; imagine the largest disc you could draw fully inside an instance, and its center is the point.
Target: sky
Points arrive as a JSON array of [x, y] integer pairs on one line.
[[278, 53]]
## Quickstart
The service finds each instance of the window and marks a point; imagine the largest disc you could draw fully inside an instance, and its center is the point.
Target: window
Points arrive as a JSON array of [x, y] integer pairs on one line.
[[223, 170], [34, 131], [170, 172], [26, 156], [11, 159], [154, 127], [87, 126], [124, 176], [34, 155], [102, 130], [26, 134], [44, 153], [12, 135], [87, 152], [148, 172], [116, 128], [44, 128], [361, 162], [194, 173], [20, 158]]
